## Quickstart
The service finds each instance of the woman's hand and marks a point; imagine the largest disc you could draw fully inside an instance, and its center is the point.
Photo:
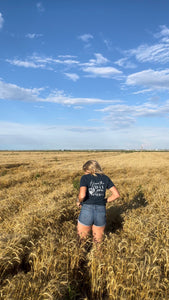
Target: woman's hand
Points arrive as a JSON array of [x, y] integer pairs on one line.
[[78, 204]]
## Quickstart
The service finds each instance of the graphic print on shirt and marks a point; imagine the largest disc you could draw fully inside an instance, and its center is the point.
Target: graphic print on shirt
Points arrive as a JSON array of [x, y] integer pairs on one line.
[[96, 188]]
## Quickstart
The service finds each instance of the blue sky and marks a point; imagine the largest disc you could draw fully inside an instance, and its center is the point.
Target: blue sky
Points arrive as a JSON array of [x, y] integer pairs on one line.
[[84, 74]]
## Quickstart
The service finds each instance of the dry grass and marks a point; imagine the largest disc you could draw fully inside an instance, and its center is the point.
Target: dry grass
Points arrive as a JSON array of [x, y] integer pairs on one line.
[[40, 257]]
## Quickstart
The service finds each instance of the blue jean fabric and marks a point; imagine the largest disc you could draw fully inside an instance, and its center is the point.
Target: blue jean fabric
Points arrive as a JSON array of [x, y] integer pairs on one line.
[[92, 214]]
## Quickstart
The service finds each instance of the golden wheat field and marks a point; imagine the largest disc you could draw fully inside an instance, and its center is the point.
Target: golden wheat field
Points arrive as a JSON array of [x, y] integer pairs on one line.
[[40, 257]]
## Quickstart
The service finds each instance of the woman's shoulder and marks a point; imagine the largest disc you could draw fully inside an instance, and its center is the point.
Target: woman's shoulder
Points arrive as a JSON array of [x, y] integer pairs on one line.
[[105, 177], [102, 174], [86, 176]]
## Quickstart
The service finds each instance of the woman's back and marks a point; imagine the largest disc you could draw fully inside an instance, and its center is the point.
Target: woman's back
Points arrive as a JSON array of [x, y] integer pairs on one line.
[[96, 188]]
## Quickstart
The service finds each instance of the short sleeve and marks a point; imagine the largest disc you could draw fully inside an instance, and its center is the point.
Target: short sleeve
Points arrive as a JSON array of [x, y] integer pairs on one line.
[[109, 183], [83, 181]]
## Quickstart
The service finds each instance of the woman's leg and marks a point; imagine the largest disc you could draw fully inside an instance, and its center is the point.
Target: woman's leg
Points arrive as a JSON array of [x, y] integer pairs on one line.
[[99, 223], [83, 230], [98, 233]]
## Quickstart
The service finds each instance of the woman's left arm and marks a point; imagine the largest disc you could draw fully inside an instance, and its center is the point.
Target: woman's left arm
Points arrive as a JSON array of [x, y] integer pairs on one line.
[[114, 195]]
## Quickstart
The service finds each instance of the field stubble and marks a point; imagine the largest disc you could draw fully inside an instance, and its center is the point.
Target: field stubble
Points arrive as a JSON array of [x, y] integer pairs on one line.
[[40, 257]]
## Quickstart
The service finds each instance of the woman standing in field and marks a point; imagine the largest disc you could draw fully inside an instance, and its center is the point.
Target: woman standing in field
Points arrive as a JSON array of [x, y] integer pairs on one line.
[[93, 185]]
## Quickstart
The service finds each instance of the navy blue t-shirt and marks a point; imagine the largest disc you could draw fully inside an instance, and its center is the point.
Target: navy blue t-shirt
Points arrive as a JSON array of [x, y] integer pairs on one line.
[[96, 188]]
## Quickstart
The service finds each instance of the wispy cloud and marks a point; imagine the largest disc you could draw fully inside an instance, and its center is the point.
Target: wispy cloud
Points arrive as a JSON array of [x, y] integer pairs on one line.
[[10, 91], [156, 53], [86, 129], [62, 98], [99, 60], [67, 56], [86, 37], [42, 62], [26, 64], [156, 80], [1, 21], [72, 76], [142, 91], [69, 60], [33, 35], [40, 7], [93, 67], [108, 44], [52, 61], [118, 116], [104, 72], [164, 32], [123, 116], [125, 63]]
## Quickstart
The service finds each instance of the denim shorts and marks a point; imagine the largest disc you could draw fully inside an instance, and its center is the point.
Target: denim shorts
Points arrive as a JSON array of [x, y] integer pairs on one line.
[[92, 214]]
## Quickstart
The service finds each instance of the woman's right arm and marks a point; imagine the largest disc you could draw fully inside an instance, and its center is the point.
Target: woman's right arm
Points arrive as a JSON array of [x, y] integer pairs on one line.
[[82, 195], [115, 194]]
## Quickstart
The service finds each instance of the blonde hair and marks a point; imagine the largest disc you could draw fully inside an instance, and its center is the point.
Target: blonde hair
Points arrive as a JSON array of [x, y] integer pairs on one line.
[[92, 167]]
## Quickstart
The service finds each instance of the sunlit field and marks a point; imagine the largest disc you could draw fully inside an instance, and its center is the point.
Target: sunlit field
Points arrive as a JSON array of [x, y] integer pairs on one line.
[[40, 256]]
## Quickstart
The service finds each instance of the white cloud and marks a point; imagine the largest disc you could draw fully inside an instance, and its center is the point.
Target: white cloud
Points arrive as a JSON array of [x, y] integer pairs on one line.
[[92, 66], [163, 32], [72, 76], [41, 62], [60, 97], [100, 59], [25, 64], [108, 44], [50, 60], [40, 7], [10, 91], [142, 91], [66, 61], [119, 122], [123, 116], [123, 62], [118, 116], [105, 72], [157, 53], [67, 56], [86, 37], [154, 53], [1, 21], [157, 80], [165, 40], [33, 35]]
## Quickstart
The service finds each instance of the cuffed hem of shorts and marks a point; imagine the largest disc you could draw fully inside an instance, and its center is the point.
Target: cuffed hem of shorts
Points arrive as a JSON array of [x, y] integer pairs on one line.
[[84, 224], [100, 225], [91, 224]]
